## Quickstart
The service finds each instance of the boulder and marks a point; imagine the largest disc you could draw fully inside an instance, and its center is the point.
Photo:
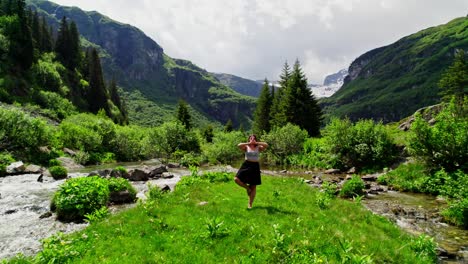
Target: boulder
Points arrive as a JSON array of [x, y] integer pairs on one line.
[[119, 174], [370, 177], [165, 188], [156, 172], [69, 163], [137, 175], [332, 171], [102, 173], [15, 168], [122, 197], [173, 165], [33, 169], [167, 175], [69, 152]]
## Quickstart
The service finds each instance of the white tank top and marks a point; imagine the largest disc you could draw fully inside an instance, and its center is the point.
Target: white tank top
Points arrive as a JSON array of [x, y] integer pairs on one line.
[[252, 154]]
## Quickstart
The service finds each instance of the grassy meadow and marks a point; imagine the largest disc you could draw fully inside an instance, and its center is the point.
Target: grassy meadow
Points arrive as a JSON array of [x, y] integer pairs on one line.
[[208, 222]]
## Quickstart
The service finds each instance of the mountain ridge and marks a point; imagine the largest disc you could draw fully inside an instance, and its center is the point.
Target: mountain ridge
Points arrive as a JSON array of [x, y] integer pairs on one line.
[[138, 63], [391, 82]]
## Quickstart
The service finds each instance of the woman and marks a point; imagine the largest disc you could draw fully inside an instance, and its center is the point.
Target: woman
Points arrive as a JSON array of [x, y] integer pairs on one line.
[[248, 175]]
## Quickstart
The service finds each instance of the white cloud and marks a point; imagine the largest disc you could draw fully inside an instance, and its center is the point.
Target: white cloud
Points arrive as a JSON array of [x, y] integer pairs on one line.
[[253, 38]]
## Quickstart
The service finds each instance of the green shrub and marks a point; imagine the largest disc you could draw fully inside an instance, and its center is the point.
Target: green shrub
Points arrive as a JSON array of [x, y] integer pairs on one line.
[[283, 142], [22, 133], [87, 132], [190, 159], [121, 169], [363, 145], [129, 143], [57, 106], [54, 162], [121, 184], [443, 145], [47, 73], [78, 197], [224, 148], [315, 155], [353, 187], [58, 172], [171, 137], [457, 212], [5, 160], [425, 247]]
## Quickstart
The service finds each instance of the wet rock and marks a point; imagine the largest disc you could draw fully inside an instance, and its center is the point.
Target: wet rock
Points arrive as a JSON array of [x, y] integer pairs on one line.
[[33, 169], [156, 172], [308, 181], [119, 174], [332, 171], [173, 165], [167, 175], [137, 175], [11, 211], [165, 188], [40, 178], [371, 177], [122, 197], [283, 171], [102, 173], [69, 163], [352, 170], [45, 215], [15, 168]]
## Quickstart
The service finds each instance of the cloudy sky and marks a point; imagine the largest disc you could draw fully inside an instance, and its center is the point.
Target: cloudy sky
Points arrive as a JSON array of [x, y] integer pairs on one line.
[[253, 38]]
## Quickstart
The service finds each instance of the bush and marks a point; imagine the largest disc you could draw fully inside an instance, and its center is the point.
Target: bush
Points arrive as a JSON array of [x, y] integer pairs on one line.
[[129, 143], [22, 133], [364, 145], [57, 107], [87, 132], [171, 137], [353, 187], [457, 212], [5, 160], [120, 184], [443, 145], [283, 142], [58, 172], [224, 148], [315, 155], [78, 197]]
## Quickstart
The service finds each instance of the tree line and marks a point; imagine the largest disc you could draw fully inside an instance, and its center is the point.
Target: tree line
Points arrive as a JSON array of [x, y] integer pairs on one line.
[[27, 68]]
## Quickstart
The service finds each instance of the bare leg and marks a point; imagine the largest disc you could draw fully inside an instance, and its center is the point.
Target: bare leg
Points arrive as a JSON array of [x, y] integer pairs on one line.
[[243, 185], [253, 192]]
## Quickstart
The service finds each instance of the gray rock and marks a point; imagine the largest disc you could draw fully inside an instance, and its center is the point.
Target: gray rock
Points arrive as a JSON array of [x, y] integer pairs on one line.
[[119, 174], [69, 152], [370, 177], [121, 197], [33, 169], [332, 171], [15, 167], [157, 172], [138, 175], [167, 175], [69, 163]]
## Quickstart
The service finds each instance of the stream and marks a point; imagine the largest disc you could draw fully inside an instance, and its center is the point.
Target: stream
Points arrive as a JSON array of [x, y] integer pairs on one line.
[[25, 218]]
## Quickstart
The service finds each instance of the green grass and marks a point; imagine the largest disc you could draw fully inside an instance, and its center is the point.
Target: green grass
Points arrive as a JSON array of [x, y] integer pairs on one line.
[[284, 226]]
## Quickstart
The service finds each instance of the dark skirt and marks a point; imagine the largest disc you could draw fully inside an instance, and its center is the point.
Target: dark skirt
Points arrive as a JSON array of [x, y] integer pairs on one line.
[[249, 173]]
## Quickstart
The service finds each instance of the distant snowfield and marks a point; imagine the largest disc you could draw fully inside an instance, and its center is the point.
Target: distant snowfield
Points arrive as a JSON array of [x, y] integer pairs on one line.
[[320, 91]]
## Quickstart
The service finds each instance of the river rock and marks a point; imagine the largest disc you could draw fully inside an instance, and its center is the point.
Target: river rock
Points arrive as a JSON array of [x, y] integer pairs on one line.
[[167, 175], [173, 165], [370, 177], [69, 152], [137, 175], [69, 163], [15, 168], [33, 169], [121, 197], [156, 172], [119, 174], [165, 188], [332, 171]]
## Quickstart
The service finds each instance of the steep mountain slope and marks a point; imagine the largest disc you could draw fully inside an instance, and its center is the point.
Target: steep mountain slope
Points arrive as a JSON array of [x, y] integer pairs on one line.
[[139, 64], [392, 82], [239, 84]]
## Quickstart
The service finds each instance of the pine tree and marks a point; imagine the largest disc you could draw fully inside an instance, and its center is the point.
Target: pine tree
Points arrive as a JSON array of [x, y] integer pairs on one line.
[[46, 37], [306, 111], [278, 112], [183, 114], [117, 101], [454, 81], [62, 45], [36, 31], [97, 94], [74, 59], [21, 43], [262, 112]]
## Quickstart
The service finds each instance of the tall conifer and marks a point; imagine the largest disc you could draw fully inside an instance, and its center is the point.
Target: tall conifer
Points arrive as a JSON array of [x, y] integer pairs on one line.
[[97, 95], [183, 114], [262, 112]]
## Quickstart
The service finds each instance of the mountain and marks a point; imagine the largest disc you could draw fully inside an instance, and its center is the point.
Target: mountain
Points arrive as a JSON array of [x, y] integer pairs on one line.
[[153, 82], [392, 82], [331, 84], [239, 84]]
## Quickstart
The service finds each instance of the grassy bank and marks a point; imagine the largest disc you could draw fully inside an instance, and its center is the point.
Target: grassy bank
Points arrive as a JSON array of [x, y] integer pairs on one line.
[[203, 222]]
